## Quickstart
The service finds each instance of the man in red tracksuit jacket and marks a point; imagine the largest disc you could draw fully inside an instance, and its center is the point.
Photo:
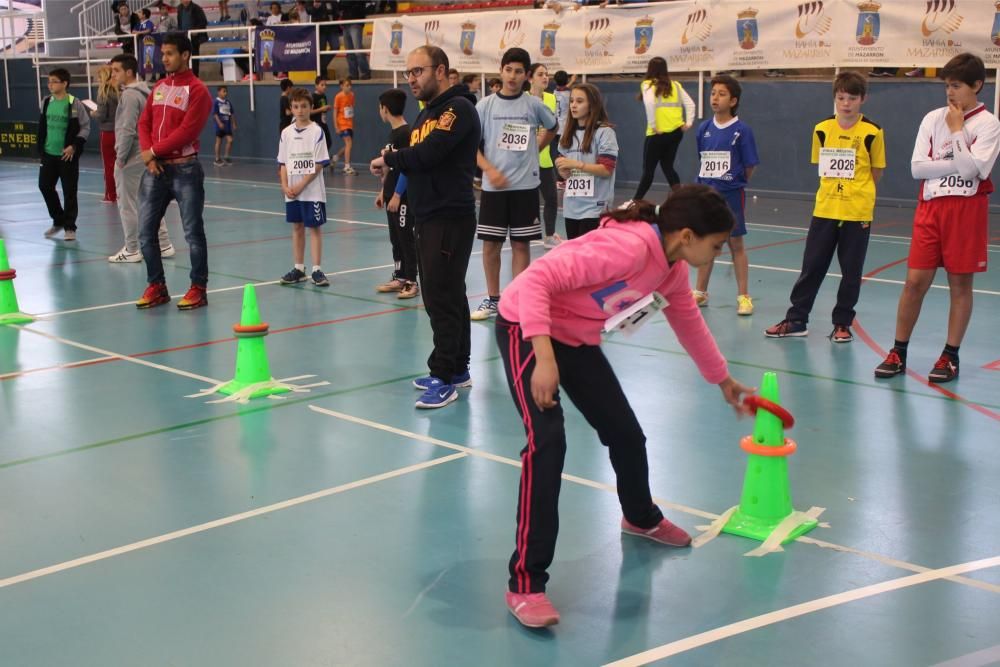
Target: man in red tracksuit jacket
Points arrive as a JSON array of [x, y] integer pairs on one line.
[[175, 113]]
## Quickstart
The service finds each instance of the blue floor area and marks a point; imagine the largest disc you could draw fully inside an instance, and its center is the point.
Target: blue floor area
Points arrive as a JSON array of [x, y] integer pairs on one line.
[[340, 526]]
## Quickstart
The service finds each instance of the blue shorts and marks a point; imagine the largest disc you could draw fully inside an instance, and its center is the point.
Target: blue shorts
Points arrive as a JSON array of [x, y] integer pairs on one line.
[[308, 213], [736, 200], [225, 131], [345, 133]]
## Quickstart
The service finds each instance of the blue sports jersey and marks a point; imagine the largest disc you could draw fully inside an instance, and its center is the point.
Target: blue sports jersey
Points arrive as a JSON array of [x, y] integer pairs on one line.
[[224, 110], [736, 138]]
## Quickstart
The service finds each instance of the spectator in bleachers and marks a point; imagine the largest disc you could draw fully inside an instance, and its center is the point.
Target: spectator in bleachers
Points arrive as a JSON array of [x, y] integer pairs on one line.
[[146, 25], [454, 78], [473, 82], [164, 21], [125, 24], [357, 63], [190, 16], [275, 17], [224, 10], [329, 35]]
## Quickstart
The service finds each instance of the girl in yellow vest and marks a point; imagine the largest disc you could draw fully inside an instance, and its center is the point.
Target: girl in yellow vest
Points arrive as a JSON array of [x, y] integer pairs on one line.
[[669, 112], [538, 77]]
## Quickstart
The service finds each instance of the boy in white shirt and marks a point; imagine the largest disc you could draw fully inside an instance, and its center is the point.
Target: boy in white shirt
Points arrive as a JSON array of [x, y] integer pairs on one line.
[[953, 156], [302, 155]]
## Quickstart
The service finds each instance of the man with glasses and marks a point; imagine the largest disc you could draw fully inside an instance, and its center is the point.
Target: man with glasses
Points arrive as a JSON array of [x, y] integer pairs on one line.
[[439, 166]]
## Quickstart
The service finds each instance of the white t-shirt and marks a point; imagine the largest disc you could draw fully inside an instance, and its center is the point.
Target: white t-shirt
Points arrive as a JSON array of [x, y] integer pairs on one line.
[[956, 164], [300, 150]]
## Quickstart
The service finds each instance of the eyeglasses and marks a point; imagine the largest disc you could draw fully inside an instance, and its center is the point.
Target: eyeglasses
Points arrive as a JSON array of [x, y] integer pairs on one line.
[[415, 72]]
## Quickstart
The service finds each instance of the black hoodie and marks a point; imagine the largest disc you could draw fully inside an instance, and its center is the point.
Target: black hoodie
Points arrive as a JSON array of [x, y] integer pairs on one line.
[[441, 160]]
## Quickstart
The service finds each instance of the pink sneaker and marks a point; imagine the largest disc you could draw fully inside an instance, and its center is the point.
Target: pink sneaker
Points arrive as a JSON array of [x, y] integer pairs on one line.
[[664, 533], [533, 610]]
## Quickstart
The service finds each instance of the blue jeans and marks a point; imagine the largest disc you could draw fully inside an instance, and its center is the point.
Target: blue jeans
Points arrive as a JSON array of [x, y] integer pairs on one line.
[[184, 183], [357, 63]]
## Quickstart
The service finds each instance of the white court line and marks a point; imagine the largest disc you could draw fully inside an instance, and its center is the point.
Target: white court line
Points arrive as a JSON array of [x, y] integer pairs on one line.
[[73, 364], [988, 656], [56, 313], [225, 521], [830, 274], [780, 615], [892, 562], [123, 357]]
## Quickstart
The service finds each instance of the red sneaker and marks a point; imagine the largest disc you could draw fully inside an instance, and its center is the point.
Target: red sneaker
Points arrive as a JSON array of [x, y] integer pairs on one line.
[[945, 370], [664, 533], [533, 610], [156, 294], [194, 298]]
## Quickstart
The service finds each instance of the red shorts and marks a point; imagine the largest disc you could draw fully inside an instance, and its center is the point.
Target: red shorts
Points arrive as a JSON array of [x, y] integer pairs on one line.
[[951, 232]]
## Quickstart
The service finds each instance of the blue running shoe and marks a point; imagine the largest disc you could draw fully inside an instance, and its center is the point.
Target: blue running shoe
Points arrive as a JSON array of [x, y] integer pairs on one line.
[[462, 381], [438, 395]]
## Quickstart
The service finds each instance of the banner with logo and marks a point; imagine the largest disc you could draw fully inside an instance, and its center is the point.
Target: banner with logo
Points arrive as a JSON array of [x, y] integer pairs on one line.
[[149, 56], [18, 138], [285, 48], [705, 35]]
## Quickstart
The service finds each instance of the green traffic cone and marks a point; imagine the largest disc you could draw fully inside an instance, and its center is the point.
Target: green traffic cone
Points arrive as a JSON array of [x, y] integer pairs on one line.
[[9, 312], [767, 497], [252, 369]]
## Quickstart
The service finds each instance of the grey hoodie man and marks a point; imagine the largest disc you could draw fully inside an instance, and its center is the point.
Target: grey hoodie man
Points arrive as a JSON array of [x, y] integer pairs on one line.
[[128, 170]]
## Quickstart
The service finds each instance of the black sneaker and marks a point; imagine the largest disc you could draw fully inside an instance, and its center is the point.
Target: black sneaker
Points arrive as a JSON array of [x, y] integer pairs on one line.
[[319, 278], [292, 277], [841, 334], [787, 328], [892, 366], [945, 370]]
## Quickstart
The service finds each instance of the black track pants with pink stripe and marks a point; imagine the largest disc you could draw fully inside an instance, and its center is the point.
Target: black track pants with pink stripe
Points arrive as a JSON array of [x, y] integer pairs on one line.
[[589, 381]]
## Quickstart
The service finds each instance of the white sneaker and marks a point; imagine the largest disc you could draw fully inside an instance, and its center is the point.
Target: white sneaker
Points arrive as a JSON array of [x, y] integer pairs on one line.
[[486, 310], [169, 251], [349, 170], [125, 257], [551, 241], [625, 205]]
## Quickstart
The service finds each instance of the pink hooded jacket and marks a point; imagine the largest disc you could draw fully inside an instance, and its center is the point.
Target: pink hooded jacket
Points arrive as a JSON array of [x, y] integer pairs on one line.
[[570, 292]]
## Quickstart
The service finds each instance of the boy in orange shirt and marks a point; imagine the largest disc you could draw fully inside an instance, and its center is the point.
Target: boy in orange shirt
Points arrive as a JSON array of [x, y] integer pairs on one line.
[[343, 108]]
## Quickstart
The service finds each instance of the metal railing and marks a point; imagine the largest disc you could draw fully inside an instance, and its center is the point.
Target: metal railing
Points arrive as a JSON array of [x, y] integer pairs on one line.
[[88, 60]]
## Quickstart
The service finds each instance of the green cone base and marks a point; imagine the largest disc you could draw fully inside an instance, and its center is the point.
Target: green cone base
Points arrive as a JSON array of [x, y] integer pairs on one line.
[[759, 529], [16, 318], [236, 386]]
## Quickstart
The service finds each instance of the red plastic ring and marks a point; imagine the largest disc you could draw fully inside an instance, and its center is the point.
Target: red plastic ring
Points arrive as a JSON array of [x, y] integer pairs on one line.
[[755, 403], [8, 275], [750, 447]]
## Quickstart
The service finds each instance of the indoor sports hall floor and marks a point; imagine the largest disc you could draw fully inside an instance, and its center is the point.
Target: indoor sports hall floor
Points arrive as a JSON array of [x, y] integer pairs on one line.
[[343, 527]]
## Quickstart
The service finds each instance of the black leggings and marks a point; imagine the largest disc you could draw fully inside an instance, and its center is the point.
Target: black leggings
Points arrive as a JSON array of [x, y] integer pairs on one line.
[[662, 149], [580, 227], [547, 188]]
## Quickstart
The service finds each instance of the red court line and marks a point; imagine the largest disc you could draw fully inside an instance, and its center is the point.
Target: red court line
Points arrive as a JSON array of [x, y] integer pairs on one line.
[[207, 343], [993, 366], [870, 342]]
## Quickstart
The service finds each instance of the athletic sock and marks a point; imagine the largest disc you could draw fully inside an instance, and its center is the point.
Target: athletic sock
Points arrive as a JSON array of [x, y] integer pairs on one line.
[[900, 347], [301, 267], [315, 268], [951, 351]]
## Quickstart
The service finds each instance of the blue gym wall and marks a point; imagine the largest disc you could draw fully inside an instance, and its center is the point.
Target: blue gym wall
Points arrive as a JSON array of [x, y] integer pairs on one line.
[[781, 113]]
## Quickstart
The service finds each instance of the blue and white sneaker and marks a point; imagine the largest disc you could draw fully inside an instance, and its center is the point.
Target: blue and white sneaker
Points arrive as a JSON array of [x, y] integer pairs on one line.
[[424, 383], [438, 395]]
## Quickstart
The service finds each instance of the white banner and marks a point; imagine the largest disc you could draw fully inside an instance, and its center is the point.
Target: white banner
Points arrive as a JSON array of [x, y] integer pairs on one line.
[[704, 35]]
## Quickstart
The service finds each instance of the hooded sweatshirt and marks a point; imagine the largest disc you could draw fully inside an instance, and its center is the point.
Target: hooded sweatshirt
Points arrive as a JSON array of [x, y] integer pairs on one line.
[[77, 127], [171, 122], [571, 291], [130, 103], [441, 160]]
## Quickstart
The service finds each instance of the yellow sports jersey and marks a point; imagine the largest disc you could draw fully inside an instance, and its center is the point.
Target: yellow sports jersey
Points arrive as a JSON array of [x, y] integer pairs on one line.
[[845, 159]]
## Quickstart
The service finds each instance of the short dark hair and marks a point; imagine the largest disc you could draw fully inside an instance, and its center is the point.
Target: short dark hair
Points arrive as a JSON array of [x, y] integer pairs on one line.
[[561, 77], [220, 88], [300, 94], [61, 74], [732, 85], [286, 84], [469, 78], [967, 68], [436, 54], [319, 78], [516, 55], [452, 70], [178, 40], [128, 62], [852, 83], [346, 79], [394, 101], [146, 13]]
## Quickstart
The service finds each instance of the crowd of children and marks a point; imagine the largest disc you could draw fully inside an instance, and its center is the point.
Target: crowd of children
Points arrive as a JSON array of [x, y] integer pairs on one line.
[[617, 264]]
